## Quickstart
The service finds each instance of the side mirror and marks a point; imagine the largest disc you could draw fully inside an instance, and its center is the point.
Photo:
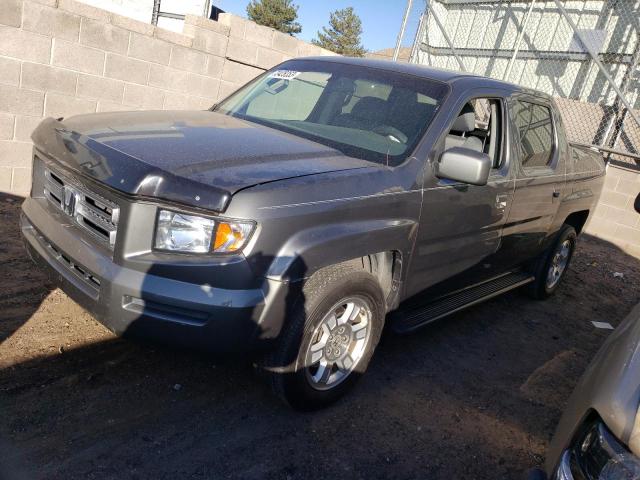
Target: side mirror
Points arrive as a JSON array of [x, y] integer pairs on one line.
[[464, 165], [636, 205]]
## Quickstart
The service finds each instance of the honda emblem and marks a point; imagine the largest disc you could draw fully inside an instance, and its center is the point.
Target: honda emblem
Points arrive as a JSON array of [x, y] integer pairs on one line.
[[69, 203]]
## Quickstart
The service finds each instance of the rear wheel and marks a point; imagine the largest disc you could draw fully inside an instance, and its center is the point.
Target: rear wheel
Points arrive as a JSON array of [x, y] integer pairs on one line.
[[328, 343], [553, 264]]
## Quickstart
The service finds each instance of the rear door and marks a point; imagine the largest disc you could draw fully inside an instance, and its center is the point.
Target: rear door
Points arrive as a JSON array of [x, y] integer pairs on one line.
[[540, 178]]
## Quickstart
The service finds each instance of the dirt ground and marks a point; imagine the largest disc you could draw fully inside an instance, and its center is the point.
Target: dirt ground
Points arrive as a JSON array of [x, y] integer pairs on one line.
[[475, 396]]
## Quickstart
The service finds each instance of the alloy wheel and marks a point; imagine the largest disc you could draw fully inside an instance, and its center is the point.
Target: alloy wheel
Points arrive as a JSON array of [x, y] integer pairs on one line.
[[559, 263], [338, 343]]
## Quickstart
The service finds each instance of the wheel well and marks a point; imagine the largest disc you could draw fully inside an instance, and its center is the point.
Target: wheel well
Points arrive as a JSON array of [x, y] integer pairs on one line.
[[577, 220], [386, 266]]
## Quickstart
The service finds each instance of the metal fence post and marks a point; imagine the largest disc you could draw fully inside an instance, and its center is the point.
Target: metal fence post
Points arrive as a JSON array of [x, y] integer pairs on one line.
[[415, 48], [628, 75], [448, 40], [396, 51], [155, 12], [516, 45], [207, 9]]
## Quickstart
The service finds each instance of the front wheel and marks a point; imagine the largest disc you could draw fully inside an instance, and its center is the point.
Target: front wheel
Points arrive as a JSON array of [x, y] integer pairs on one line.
[[330, 339], [551, 267]]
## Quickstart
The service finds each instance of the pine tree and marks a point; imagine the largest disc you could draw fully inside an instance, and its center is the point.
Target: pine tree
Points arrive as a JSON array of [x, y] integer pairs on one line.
[[343, 34], [278, 14]]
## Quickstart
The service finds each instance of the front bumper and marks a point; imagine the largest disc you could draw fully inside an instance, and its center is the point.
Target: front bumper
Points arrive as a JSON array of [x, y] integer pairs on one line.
[[131, 302], [595, 453]]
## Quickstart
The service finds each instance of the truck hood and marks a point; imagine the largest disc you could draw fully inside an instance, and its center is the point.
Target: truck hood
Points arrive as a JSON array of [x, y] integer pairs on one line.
[[199, 158]]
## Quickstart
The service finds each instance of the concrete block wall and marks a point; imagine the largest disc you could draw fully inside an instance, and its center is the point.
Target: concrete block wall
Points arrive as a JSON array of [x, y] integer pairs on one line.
[[615, 219], [63, 57]]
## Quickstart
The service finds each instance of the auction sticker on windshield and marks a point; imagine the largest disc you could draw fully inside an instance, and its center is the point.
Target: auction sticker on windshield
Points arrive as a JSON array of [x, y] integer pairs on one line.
[[284, 74]]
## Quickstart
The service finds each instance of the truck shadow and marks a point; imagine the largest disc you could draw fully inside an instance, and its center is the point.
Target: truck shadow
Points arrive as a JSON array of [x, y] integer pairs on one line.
[[23, 286], [477, 395]]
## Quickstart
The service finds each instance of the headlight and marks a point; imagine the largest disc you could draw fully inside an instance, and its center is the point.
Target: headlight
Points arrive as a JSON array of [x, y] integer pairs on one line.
[[598, 455], [179, 232]]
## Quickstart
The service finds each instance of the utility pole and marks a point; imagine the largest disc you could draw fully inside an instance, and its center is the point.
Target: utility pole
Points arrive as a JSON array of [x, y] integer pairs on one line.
[[396, 52]]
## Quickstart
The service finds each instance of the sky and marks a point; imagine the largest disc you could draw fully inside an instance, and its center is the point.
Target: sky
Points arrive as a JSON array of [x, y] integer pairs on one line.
[[381, 19]]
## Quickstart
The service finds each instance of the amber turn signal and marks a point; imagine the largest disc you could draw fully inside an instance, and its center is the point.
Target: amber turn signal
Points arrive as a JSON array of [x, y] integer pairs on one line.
[[231, 236]]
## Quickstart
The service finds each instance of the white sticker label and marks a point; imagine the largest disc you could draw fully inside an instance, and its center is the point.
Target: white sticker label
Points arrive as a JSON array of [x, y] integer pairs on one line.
[[603, 325], [284, 74]]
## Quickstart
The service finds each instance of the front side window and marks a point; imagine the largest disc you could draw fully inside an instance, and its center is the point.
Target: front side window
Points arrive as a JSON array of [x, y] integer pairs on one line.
[[363, 112], [535, 129], [478, 127]]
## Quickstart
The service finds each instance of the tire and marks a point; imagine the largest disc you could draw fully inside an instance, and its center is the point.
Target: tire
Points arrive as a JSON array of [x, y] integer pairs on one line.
[[557, 256], [290, 366]]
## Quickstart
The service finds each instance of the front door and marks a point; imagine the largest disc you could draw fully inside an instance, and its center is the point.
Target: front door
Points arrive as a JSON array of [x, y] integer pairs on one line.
[[460, 228]]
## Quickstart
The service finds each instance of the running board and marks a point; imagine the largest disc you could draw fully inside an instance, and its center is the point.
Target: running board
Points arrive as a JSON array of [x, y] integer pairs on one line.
[[410, 318]]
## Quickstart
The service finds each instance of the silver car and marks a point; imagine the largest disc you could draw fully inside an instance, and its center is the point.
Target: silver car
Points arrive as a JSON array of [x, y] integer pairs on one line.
[[599, 434]]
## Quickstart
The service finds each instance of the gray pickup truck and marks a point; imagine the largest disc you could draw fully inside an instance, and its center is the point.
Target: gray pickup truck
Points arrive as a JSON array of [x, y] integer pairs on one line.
[[325, 198]]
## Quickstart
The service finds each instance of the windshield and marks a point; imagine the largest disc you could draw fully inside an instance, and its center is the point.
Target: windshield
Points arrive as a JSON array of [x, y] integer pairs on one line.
[[363, 112]]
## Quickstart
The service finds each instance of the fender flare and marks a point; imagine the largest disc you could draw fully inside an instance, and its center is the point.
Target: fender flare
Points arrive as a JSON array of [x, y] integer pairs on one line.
[[312, 249]]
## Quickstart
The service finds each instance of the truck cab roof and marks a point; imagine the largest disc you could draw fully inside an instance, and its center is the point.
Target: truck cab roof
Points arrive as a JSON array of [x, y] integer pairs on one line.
[[432, 73]]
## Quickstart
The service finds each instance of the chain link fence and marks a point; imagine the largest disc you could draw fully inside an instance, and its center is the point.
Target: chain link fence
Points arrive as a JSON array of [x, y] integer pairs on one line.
[[584, 53]]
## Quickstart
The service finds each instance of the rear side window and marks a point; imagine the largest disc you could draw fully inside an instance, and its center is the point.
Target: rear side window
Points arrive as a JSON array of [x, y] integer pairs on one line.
[[535, 128]]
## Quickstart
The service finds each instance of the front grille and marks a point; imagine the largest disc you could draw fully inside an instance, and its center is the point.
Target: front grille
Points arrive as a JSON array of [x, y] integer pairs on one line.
[[90, 211]]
